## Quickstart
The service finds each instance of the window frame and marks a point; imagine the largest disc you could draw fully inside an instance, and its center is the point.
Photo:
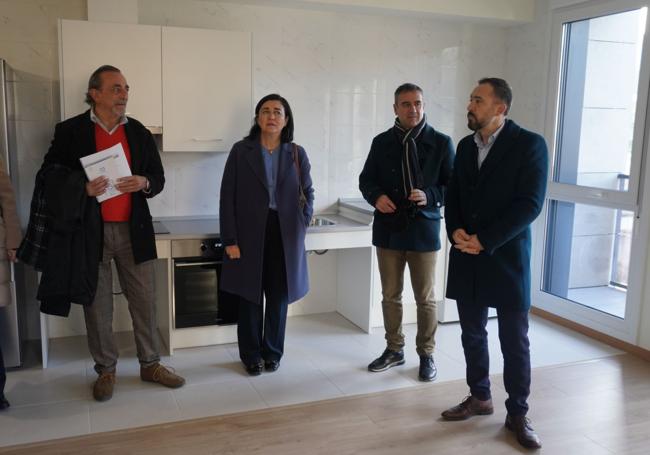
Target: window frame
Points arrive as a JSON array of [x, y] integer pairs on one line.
[[631, 200]]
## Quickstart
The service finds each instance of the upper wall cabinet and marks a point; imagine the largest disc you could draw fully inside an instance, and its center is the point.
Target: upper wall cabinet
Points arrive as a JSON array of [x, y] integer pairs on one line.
[[192, 85], [134, 49], [206, 76]]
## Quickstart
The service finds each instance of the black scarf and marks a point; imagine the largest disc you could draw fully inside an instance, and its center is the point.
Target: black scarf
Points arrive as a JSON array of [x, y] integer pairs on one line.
[[412, 178], [411, 171]]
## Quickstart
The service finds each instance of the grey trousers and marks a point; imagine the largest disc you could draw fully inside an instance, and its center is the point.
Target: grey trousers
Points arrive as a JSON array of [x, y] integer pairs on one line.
[[391, 270], [137, 282]]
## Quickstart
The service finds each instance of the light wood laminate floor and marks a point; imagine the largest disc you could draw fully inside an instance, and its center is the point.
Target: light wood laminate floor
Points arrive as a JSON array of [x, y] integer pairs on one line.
[[592, 407], [325, 358]]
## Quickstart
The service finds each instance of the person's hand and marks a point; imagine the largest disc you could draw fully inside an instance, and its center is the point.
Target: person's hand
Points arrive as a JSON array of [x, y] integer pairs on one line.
[[459, 235], [466, 243], [418, 196], [131, 184], [11, 255], [232, 251], [385, 205], [97, 186]]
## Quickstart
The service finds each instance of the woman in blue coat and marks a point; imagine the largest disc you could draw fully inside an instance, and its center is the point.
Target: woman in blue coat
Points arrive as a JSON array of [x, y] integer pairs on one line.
[[265, 207]]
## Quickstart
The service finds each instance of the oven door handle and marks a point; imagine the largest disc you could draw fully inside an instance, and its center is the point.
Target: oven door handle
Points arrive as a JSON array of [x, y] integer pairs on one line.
[[192, 264]]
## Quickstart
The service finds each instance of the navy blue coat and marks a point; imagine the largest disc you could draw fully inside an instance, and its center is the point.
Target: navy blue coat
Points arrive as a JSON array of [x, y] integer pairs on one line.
[[244, 206], [382, 174], [498, 204]]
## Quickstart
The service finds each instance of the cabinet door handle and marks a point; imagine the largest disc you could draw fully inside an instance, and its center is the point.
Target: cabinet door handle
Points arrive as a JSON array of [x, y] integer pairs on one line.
[[200, 139]]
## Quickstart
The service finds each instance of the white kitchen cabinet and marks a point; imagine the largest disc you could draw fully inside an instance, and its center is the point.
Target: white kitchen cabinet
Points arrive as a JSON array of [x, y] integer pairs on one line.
[[134, 49], [207, 89]]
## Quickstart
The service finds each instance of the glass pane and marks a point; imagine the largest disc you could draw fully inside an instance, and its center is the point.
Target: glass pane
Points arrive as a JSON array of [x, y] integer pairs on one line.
[[598, 100], [587, 255]]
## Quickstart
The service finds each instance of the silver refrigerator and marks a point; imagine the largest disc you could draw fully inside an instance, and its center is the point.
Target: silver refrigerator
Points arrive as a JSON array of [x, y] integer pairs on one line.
[[10, 334]]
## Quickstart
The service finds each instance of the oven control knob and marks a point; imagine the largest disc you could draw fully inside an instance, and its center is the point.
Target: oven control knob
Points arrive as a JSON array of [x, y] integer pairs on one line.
[[203, 247], [218, 244]]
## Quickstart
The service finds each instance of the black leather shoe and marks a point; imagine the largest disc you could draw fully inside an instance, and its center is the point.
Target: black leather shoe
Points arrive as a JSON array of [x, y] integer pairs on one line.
[[387, 360], [254, 369], [526, 436], [271, 365], [4, 404], [428, 370]]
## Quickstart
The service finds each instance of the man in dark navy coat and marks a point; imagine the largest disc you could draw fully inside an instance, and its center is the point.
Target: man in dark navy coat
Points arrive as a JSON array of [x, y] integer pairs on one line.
[[496, 192], [405, 178]]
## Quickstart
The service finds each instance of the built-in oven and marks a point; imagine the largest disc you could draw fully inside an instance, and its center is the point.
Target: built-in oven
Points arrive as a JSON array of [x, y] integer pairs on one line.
[[197, 300]]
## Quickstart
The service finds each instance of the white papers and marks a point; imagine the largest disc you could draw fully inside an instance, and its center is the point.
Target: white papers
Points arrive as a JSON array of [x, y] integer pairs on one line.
[[110, 163]]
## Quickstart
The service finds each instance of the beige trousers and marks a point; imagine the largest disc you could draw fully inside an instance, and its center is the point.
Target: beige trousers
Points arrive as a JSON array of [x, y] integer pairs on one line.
[[421, 268]]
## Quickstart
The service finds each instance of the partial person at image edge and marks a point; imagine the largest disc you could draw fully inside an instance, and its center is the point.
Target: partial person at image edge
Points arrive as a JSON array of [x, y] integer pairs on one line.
[[10, 236]]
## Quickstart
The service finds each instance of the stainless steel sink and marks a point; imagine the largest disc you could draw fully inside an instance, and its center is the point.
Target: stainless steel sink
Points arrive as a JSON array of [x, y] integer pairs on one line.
[[321, 221], [159, 228]]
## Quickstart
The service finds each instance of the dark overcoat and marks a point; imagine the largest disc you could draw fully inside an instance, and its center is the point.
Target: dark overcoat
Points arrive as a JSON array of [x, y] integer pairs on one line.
[[498, 203], [243, 209], [75, 138], [382, 174]]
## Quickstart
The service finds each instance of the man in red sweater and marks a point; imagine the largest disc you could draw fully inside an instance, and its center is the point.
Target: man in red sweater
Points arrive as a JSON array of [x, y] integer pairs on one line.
[[128, 236]]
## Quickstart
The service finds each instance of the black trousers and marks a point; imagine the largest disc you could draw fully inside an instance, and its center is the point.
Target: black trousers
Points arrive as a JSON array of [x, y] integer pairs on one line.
[[515, 347], [260, 333], [3, 374]]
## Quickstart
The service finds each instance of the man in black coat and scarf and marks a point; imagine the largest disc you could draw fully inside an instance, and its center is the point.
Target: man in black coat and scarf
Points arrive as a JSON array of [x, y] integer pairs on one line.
[[405, 178]]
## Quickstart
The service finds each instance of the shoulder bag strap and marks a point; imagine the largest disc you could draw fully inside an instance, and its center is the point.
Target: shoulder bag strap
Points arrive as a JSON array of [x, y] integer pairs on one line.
[[297, 163], [302, 199]]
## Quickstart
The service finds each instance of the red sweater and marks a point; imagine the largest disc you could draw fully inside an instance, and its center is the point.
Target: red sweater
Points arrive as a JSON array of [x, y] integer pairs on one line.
[[117, 208]]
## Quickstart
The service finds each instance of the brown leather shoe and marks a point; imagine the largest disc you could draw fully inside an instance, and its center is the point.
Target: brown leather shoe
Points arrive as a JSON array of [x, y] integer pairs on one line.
[[469, 407], [161, 375], [526, 436], [103, 387]]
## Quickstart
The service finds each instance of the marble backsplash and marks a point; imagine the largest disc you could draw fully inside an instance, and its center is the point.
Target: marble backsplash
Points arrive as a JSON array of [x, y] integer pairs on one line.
[[339, 72]]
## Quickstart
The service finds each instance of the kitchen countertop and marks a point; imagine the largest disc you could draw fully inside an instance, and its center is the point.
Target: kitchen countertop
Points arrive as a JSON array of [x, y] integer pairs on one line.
[[197, 227], [357, 204], [174, 228]]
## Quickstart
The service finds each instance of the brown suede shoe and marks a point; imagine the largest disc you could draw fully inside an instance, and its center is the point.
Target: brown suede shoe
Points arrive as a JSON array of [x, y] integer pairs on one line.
[[103, 387], [526, 436], [469, 407], [161, 375]]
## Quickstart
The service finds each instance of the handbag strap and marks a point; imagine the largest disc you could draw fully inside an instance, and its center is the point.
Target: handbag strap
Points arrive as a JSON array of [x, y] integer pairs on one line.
[[295, 161]]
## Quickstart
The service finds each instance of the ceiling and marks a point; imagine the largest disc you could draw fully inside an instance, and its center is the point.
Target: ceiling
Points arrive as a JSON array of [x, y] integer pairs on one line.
[[503, 12]]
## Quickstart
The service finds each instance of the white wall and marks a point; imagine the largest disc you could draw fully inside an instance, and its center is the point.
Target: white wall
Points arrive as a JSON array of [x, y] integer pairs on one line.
[[339, 72]]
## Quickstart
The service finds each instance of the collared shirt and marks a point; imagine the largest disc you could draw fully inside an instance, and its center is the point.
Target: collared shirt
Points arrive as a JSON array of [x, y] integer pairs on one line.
[[484, 149], [271, 167], [95, 119]]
